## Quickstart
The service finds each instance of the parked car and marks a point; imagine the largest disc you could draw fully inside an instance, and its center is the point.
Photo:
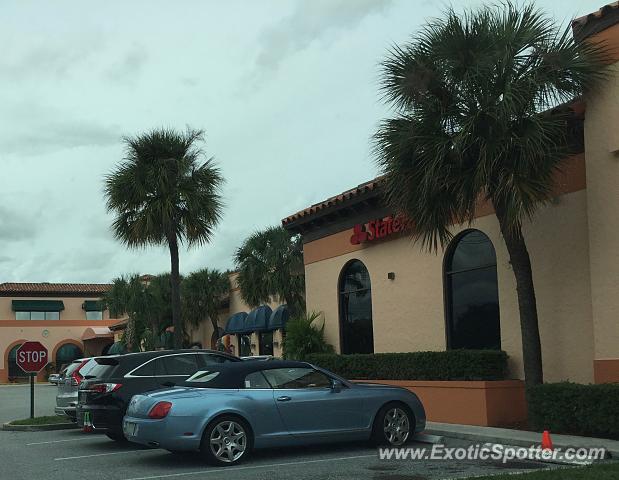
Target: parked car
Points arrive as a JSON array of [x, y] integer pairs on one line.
[[54, 378], [105, 392], [258, 357], [68, 383], [226, 410]]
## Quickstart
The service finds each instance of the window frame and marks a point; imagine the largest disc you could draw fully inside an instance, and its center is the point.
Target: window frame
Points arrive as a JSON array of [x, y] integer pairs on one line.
[[340, 294], [329, 377], [447, 288], [130, 374], [30, 319]]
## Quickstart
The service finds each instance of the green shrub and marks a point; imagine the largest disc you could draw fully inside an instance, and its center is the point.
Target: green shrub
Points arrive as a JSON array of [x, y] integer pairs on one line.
[[577, 409], [304, 338], [447, 365]]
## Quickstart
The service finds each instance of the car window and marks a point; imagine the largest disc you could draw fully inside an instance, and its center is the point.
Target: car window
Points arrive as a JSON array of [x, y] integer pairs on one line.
[[88, 366], [297, 378], [102, 371], [146, 370], [72, 367], [180, 364], [211, 359], [256, 380]]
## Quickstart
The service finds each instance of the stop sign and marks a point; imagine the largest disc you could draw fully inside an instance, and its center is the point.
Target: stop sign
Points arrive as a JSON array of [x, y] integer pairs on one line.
[[32, 357]]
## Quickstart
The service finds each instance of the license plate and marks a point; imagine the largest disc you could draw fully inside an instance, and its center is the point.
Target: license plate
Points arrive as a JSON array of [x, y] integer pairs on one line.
[[130, 429]]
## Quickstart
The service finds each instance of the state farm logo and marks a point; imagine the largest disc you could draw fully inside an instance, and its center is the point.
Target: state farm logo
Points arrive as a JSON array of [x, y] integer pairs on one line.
[[377, 229]]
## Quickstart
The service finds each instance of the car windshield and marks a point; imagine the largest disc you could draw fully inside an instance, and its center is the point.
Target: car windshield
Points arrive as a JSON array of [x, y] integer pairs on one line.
[[87, 368], [71, 368], [203, 376], [98, 370]]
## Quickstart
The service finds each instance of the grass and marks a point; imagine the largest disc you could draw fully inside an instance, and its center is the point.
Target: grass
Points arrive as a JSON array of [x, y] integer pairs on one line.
[[55, 419], [607, 471]]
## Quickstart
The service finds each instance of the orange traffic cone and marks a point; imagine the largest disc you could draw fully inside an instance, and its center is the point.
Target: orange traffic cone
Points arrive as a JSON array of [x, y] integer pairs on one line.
[[546, 441], [87, 423]]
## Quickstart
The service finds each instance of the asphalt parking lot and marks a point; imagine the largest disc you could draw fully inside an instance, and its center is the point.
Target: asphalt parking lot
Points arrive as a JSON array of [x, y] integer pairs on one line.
[[15, 401], [71, 454]]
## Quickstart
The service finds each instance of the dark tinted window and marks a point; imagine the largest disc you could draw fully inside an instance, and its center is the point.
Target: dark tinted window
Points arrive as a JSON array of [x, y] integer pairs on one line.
[[102, 371], [472, 293], [297, 378], [146, 370], [256, 380], [356, 330], [180, 364]]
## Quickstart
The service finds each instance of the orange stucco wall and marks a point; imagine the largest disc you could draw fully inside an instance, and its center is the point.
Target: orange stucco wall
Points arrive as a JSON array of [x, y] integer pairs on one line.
[[51, 333], [489, 404]]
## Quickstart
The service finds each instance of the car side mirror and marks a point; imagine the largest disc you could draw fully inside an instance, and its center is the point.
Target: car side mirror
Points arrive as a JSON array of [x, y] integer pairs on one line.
[[336, 385]]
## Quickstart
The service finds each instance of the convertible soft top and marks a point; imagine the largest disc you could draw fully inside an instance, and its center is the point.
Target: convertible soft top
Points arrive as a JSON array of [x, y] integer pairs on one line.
[[232, 374]]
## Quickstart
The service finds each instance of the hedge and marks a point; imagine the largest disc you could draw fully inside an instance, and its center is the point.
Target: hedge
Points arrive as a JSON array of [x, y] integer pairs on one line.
[[572, 408], [447, 365]]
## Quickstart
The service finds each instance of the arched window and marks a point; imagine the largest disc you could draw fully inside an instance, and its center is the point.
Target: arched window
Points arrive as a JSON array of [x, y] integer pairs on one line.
[[66, 354], [472, 293], [14, 370], [355, 291]]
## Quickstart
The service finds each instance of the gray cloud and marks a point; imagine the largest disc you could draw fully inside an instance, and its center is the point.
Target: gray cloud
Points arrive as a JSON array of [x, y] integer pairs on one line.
[[15, 226], [126, 69], [58, 135], [309, 21]]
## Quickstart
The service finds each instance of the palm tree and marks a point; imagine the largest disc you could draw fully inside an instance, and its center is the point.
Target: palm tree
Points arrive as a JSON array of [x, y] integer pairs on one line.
[[480, 117], [204, 293], [143, 306], [165, 193], [270, 264]]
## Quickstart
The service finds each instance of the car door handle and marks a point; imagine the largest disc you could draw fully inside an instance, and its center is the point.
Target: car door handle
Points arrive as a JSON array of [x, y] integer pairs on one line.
[[283, 399]]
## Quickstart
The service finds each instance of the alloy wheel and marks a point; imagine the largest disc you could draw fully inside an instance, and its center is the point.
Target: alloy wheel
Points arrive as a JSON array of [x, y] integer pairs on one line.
[[396, 426], [228, 441]]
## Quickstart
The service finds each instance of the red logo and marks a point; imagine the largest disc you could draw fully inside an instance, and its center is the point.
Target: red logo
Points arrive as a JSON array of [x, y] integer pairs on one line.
[[377, 229]]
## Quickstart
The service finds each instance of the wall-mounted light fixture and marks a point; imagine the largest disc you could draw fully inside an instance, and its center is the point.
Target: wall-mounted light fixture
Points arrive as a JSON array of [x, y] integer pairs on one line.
[[391, 275]]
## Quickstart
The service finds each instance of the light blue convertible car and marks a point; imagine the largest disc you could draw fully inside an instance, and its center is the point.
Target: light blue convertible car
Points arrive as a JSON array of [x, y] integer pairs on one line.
[[231, 408]]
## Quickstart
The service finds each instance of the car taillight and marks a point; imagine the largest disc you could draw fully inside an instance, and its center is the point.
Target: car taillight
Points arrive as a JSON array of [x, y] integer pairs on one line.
[[160, 410], [104, 387], [76, 378]]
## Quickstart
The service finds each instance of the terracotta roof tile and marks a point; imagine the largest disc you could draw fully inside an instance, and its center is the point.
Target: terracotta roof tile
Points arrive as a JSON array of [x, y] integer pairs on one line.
[[597, 21], [58, 288], [335, 200]]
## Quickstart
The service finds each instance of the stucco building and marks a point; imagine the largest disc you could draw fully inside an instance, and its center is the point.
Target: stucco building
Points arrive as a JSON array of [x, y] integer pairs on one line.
[[379, 292], [68, 318]]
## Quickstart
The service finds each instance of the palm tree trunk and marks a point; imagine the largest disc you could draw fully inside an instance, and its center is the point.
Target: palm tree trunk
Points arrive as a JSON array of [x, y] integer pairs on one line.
[[527, 304], [175, 281]]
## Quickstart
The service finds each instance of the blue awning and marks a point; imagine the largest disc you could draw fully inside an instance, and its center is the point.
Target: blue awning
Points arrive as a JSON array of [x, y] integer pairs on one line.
[[258, 319], [279, 317], [236, 324]]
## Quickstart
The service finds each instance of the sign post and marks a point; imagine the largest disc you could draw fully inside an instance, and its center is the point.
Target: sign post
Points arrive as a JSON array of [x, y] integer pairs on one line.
[[31, 358]]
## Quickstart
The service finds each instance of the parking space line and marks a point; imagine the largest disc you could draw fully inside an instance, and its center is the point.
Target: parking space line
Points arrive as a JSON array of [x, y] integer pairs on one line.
[[249, 467], [56, 441], [101, 454]]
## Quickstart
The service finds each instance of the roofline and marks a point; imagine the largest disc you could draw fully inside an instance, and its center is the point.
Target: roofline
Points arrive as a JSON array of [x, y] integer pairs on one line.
[[595, 22]]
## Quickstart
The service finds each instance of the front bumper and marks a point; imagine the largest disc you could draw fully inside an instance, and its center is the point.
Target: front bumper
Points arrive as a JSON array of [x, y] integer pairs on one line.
[[170, 433]]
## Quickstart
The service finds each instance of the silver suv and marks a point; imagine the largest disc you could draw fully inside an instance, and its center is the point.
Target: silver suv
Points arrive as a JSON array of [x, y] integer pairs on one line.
[[68, 383]]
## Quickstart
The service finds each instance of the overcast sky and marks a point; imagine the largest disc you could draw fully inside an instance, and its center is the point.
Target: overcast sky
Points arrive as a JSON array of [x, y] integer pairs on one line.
[[285, 90]]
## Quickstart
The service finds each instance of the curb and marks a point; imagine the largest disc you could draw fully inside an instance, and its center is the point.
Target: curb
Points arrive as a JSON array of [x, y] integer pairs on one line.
[[489, 438], [38, 428]]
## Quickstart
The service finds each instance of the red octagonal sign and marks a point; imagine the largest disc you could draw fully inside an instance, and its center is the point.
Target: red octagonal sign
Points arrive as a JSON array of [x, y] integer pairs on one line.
[[32, 357]]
